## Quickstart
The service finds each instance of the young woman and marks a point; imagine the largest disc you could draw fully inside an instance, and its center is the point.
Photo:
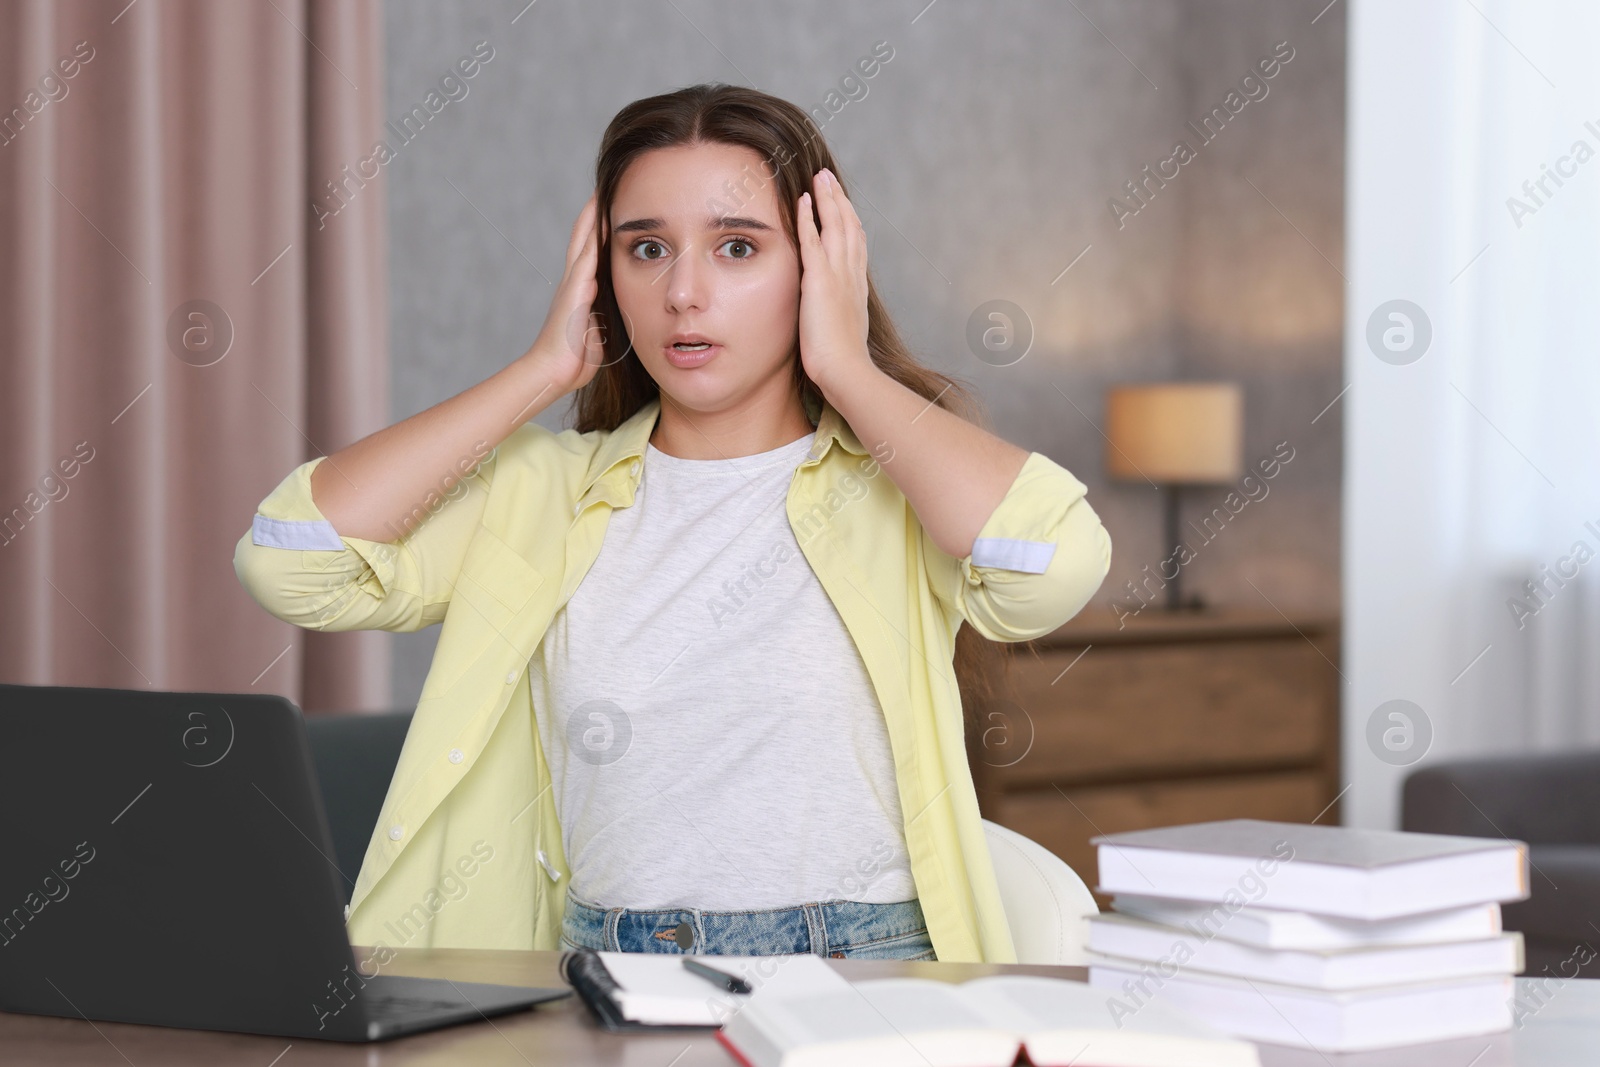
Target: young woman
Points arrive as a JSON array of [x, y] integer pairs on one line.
[[696, 688]]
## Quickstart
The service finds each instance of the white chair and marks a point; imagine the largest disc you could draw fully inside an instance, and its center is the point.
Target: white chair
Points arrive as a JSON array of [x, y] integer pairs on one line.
[[1047, 905]]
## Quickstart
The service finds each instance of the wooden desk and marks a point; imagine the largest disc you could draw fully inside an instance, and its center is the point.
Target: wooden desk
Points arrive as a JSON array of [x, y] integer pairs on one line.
[[558, 1034], [1565, 1032]]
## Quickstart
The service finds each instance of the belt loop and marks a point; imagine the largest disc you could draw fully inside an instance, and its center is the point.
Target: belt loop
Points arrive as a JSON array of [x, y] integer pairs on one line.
[[817, 929], [613, 918], [697, 923]]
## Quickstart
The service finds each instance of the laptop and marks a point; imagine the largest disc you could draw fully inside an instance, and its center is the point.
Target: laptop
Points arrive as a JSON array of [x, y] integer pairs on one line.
[[167, 861]]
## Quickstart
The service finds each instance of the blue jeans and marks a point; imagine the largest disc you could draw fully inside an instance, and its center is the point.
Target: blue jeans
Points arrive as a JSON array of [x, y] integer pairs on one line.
[[839, 928]]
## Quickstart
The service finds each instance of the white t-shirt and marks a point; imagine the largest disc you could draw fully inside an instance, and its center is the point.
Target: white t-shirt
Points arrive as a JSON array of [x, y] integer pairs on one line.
[[713, 737]]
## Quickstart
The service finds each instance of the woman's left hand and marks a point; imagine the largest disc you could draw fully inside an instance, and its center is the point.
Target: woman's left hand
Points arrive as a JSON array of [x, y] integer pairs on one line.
[[833, 285]]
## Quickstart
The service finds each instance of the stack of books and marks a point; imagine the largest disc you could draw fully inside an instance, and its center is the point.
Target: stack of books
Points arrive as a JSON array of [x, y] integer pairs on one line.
[[1321, 937]]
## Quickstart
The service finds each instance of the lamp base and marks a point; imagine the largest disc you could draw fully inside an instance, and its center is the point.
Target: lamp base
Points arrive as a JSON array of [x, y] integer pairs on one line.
[[1176, 602]]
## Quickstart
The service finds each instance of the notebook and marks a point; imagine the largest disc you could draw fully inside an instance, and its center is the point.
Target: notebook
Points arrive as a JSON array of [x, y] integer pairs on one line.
[[985, 1022], [640, 990], [1329, 870]]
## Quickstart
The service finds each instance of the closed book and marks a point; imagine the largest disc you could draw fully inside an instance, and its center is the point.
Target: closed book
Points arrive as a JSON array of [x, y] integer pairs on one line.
[[1349, 1021], [1327, 870], [1345, 968], [985, 1022], [1271, 928]]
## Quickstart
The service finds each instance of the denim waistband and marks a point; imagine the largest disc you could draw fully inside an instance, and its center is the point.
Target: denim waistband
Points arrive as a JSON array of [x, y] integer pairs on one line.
[[841, 928]]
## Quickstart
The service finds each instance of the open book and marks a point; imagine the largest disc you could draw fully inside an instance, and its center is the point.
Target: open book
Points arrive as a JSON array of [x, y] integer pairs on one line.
[[919, 1022]]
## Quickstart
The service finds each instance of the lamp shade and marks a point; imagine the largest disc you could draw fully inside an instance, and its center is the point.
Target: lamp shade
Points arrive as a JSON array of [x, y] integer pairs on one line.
[[1176, 432]]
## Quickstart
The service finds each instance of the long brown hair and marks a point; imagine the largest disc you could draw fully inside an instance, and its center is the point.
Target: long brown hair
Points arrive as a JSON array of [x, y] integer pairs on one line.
[[792, 151]]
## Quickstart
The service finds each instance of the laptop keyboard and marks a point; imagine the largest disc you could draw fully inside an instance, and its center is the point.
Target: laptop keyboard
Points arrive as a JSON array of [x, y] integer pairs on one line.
[[398, 1005]]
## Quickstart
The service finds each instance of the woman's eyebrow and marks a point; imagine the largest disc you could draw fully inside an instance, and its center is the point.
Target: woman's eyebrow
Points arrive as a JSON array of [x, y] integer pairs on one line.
[[721, 222]]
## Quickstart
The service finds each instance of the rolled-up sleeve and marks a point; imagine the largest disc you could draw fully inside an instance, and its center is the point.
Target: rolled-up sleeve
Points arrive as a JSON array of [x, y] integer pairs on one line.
[[298, 567], [1035, 563]]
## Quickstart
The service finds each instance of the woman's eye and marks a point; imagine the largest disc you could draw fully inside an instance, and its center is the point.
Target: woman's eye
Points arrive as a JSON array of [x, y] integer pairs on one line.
[[654, 250]]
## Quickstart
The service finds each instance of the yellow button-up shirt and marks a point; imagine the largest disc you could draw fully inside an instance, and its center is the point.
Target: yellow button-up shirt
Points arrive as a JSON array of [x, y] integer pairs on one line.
[[468, 851]]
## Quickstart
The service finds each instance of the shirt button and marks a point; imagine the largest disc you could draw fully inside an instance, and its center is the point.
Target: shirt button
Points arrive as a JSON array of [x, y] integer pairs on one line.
[[396, 833], [634, 469], [511, 678], [455, 755]]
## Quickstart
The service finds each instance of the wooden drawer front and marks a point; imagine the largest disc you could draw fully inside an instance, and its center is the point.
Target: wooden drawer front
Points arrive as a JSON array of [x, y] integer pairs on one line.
[[1065, 823], [1124, 712]]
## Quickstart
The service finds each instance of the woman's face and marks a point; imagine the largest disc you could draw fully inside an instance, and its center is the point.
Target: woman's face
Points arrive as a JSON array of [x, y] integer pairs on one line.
[[698, 249]]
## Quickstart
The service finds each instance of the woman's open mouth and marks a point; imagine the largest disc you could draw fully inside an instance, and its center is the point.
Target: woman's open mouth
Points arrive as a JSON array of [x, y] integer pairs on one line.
[[690, 355]]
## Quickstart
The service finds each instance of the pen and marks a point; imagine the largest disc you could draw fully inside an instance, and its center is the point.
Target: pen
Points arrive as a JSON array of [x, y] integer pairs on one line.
[[731, 982]]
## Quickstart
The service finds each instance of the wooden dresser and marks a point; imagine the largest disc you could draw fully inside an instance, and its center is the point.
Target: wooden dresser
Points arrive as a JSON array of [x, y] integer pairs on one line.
[[1174, 718]]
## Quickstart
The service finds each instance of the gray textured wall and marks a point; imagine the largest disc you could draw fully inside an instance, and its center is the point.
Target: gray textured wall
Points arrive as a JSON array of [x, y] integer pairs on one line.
[[982, 160]]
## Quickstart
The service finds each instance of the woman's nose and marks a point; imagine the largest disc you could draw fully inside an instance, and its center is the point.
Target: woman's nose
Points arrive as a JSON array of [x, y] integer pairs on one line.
[[686, 283]]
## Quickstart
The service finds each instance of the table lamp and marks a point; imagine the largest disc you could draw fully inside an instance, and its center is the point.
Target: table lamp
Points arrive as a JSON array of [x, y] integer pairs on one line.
[[1175, 434]]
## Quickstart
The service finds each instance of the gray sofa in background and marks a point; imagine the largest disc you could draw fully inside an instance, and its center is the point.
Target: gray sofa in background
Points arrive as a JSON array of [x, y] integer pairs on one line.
[[1553, 803], [355, 756]]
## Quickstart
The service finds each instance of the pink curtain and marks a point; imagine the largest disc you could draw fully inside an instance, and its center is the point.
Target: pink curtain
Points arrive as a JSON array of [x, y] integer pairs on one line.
[[193, 300]]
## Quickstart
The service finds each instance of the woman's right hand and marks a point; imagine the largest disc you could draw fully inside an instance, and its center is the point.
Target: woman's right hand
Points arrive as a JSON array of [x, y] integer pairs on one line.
[[377, 488], [570, 345]]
